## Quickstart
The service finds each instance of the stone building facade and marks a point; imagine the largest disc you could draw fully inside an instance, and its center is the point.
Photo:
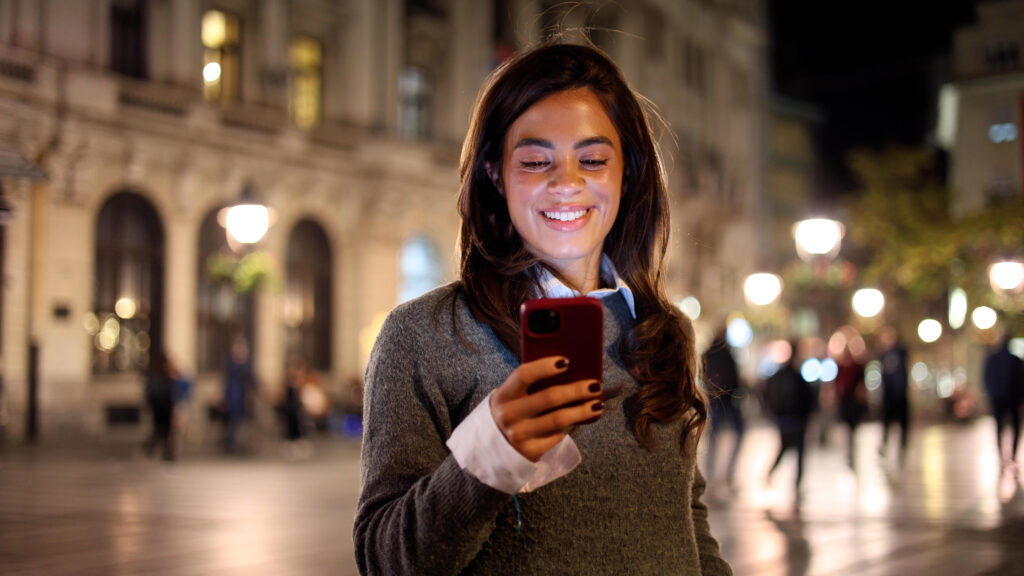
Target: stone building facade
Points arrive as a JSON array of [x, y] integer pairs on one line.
[[148, 117]]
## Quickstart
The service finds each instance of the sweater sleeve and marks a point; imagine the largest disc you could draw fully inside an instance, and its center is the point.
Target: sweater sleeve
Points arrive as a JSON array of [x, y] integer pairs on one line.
[[418, 511], [711, 561]]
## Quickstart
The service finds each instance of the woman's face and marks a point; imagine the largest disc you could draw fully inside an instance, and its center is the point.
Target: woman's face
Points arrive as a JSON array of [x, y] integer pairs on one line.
[[562, 178]]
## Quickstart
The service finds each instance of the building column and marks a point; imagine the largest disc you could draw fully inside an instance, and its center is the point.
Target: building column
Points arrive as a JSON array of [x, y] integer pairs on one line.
[[273, 21], [186, 41]]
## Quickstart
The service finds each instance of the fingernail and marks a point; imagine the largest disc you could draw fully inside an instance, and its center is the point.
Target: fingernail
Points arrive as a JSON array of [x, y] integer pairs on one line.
[[597, 406], [562, 363], [595, 387]]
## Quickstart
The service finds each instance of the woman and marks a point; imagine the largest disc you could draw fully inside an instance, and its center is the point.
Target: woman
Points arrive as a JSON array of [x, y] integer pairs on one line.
[[463, 471]]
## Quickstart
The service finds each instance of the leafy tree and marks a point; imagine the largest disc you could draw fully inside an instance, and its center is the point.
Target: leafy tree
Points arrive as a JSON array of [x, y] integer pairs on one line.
[[913, 246]]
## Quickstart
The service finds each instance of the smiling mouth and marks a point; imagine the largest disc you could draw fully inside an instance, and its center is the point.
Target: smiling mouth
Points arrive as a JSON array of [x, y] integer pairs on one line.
[[566, 216]]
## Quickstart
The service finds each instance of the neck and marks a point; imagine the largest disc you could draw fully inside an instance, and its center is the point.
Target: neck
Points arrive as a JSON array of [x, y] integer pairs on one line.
[[583, 276]]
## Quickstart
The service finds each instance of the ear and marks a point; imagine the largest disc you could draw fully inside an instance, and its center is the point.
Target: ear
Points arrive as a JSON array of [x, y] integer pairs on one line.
[[495, 175]]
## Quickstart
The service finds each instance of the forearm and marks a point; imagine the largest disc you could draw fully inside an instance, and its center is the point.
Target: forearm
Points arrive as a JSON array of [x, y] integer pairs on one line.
[[711, 561], [436, 525]]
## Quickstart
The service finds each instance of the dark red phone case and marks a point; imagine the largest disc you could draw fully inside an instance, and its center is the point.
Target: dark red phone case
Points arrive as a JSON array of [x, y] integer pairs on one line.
[[579, 337]]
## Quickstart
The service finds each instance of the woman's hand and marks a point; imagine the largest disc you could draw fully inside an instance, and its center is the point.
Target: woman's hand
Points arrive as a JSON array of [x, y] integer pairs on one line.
[[535, 423]]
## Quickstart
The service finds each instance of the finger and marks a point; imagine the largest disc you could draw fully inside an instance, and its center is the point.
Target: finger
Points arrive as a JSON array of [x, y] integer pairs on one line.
[[551, 398], [528, 373], [555, 422]]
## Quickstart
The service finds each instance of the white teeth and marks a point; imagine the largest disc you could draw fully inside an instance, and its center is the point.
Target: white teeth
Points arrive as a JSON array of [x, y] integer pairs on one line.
[[565, 216]]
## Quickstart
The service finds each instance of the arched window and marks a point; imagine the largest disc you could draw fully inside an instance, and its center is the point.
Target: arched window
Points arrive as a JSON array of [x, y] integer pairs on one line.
[[127, 319], [307, 306], [420, 267], [221, 311]]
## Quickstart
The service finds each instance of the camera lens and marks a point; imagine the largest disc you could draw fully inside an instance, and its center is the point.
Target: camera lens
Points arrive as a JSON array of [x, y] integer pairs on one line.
[[544, 321]]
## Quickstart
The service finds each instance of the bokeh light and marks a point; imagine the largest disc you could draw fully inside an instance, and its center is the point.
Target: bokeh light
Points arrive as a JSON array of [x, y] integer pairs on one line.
[[739, 333], [211, 73], [984, 317], [817, 236], [1008, 275], [829, 370], [873, 375], [125, 307], [811, 369], [762, 288], [691, 307], [929, 330], [868, 302], [957, 308]]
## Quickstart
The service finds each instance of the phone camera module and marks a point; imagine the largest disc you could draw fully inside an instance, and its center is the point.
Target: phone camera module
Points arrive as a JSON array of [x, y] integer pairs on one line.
[[544, 321]]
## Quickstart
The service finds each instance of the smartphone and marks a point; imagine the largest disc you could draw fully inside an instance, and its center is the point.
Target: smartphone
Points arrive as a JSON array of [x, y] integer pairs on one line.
[[570, 327]]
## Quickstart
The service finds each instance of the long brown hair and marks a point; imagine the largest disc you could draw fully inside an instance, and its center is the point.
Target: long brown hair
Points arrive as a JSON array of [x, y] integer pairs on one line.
[[495, 265]]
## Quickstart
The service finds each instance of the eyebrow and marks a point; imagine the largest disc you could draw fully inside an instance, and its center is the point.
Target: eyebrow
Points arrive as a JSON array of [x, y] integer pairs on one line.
[[548, 144]]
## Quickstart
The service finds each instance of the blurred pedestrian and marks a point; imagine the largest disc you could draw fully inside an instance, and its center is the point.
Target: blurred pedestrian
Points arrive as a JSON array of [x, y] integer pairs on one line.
[[161, 378], [238, 383], [722, 384], [290, 404], [790, 399], [895, 403], [467, 469], [1004, 382], [294, 418], [851, 398]]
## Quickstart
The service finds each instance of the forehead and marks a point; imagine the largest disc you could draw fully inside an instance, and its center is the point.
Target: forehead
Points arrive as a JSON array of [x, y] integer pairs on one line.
[[570, 114]]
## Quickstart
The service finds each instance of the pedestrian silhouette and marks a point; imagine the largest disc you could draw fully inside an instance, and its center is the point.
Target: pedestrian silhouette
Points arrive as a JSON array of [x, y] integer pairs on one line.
[[722, 383], [1004, 383], [790, 400], [895, 403]]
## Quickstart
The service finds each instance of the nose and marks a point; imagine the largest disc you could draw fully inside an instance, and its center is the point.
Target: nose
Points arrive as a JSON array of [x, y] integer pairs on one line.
[[567, 180]]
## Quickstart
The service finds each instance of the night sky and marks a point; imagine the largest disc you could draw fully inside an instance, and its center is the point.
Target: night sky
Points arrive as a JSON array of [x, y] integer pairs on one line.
[[871, 68]]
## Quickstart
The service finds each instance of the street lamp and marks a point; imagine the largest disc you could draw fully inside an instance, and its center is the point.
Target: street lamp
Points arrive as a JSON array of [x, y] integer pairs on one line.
[[818, 237], [247, 221], [868, 302], [762, 288]]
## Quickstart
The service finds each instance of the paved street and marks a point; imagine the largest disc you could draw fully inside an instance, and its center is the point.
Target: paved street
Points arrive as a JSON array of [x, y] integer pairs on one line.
[[104, 509]]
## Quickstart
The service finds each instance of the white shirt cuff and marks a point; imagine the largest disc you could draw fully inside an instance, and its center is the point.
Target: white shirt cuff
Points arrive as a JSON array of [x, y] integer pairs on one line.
[[482, 451]]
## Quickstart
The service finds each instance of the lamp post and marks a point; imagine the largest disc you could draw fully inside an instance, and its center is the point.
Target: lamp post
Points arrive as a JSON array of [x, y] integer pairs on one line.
[[817, 242], [762, 288], [818, 237], [868, 302], [247, 221]]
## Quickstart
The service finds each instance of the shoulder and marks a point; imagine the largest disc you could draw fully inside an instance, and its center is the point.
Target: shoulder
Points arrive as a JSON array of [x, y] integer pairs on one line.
[[433, 321], [431, 311]]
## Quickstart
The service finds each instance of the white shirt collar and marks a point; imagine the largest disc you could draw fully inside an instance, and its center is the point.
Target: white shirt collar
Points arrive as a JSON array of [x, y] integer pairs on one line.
[[552, 287]]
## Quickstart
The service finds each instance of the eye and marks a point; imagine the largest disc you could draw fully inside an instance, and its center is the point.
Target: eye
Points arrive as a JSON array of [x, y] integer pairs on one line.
[[534, 165], [593, 163]]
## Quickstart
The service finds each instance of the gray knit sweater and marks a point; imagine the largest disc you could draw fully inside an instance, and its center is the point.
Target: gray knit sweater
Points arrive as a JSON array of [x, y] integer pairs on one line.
[[623, 510]]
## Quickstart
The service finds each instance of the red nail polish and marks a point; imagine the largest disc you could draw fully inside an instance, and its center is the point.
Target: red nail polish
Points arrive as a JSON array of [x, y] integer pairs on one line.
[[562, 364], [597, 407], [595, 387]]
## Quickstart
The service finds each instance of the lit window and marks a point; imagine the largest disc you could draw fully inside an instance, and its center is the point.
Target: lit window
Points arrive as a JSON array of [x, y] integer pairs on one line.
[[220, 35], [126, 322], [420, 268], [414, 115], [308, 294], [306, 56]]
